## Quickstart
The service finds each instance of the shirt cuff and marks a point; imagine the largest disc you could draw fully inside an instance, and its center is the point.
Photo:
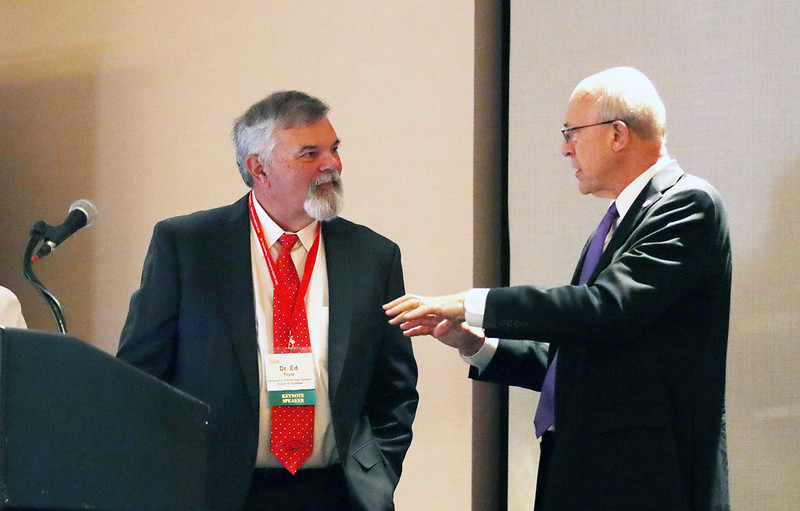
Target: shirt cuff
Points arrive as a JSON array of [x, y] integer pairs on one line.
[[483, 356], [475, 305]]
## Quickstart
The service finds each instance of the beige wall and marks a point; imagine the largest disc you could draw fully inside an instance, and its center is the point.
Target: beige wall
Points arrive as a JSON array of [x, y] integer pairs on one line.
[[130, 104]]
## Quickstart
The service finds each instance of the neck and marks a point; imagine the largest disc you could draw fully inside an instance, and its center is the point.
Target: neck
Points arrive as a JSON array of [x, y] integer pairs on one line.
[[290, 224], [635, 163], [289, 221]]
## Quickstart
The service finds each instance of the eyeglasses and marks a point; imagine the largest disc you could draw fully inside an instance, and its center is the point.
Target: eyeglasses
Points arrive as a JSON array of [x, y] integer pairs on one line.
[[567, 132]]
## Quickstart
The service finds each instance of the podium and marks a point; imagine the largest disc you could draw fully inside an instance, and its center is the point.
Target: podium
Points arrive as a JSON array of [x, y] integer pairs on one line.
[[80, 429]]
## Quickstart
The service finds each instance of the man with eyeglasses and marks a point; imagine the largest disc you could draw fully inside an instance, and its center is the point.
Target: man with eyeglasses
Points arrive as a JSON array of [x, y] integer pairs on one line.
[[630, 357]]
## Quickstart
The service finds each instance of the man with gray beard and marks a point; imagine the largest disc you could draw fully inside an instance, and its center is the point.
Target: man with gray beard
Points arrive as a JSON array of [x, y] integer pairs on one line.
[[232, 296]]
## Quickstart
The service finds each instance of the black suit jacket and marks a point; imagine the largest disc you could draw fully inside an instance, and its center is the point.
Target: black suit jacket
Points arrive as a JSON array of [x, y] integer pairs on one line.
[[640, 380], [192, 324]]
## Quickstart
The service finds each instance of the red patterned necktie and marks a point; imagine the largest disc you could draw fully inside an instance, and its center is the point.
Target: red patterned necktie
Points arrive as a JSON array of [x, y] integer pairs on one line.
[[292, 437]]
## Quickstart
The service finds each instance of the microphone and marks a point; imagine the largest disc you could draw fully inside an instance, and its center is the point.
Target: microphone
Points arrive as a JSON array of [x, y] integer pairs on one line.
[[82, 213]]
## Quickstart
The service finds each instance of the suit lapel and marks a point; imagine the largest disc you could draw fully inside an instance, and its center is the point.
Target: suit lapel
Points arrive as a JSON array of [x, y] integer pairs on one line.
[[652, 193], [235, 281], [340, 299], [576, 275], [234, 277]]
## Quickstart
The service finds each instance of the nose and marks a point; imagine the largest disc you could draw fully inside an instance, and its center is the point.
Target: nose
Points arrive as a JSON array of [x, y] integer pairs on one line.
[[567, 148], [331, 161]]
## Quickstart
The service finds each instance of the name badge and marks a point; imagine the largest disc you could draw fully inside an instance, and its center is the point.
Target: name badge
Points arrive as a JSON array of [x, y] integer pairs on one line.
[[290, 379]]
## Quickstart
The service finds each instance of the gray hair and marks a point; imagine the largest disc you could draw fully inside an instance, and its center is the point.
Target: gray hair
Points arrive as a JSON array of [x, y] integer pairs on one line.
[[625, 93], [253, 131]]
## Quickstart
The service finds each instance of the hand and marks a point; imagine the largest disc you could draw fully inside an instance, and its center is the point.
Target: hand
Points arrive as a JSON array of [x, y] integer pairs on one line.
[[432, 309], [441, 317], [468, 340]]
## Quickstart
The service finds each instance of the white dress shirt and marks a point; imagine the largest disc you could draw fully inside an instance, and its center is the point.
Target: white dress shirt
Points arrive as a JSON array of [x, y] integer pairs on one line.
[[316, 300]]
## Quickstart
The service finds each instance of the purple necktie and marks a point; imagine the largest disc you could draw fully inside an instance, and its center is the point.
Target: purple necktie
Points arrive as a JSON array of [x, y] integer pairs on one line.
[[545, 411]]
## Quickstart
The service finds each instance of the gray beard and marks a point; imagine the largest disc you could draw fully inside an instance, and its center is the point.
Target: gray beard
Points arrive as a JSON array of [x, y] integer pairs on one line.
[[324, 204]]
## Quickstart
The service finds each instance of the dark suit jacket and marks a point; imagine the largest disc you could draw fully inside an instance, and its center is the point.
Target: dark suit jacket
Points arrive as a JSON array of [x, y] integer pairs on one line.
[[192, 324], [640, 380]]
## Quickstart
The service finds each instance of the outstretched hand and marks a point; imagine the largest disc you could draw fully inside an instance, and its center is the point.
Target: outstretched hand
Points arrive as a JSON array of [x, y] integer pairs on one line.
[[410, 307], [441, 316]]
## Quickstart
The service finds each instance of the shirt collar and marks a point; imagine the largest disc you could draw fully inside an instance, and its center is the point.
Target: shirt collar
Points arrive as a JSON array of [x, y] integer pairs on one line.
[[628, 195], [273, 231]]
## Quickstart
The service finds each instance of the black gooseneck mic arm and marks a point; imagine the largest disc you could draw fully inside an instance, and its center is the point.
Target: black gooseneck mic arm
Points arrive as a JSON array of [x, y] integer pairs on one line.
[[37, 237]]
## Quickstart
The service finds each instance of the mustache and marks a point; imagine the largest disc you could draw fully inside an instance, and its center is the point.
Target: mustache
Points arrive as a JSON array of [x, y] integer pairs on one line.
[[330, 176]]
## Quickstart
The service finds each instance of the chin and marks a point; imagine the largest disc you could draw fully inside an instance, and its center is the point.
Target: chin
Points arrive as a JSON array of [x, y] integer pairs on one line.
[[325, 207]]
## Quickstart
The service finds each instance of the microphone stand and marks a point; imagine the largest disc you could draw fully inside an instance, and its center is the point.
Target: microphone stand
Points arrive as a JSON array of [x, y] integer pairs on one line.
[[37, 236]]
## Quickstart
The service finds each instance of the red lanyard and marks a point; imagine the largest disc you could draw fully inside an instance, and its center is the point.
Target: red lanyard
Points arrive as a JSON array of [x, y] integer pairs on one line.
[[310, 260]]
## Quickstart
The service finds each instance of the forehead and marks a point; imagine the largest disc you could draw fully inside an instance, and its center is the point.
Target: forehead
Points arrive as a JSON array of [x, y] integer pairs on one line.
[[321, 133], [582, 109]]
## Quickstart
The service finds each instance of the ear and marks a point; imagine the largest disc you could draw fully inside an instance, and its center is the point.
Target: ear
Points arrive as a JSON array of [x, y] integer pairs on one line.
[[256, 169], [622, 136]]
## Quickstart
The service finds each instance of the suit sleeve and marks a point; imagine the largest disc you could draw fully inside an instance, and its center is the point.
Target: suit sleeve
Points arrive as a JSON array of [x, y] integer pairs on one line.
[[149, 336], [679, 253], [518, 363]]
